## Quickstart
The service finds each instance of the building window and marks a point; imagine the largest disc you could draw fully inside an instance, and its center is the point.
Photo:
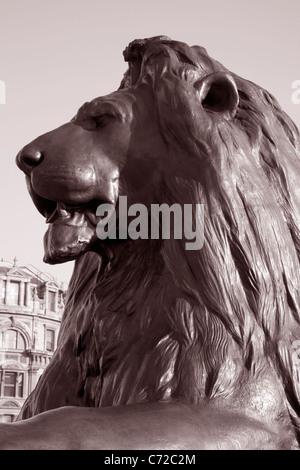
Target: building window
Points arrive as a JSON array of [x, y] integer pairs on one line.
[[51, 301], [8, 418], [12, 339], [13, 384], [14, 293], [3, 291], [50, 340], [25, 300]]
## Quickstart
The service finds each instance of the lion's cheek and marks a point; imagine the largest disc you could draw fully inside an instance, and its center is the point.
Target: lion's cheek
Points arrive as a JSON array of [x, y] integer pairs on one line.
[[64, 242]]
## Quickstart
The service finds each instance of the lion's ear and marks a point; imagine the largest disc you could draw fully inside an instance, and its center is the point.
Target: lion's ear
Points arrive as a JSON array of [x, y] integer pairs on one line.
[[218, 92]]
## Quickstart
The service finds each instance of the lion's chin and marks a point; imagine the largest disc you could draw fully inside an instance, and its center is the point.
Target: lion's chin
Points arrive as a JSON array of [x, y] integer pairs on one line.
[[63, 242]]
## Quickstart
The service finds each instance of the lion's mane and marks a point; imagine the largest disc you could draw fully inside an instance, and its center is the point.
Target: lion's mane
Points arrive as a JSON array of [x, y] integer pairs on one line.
[[160, 322]]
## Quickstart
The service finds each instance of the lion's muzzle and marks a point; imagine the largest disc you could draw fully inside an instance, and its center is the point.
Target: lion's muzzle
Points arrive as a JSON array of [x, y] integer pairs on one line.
[[67, 179]]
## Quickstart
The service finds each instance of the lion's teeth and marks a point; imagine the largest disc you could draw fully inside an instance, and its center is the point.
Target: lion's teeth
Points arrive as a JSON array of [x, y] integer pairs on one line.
[[51, 217], [63, 212], [61, 209]]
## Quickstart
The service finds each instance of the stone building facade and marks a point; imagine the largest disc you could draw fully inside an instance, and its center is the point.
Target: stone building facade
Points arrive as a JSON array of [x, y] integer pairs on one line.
[[31, 306]]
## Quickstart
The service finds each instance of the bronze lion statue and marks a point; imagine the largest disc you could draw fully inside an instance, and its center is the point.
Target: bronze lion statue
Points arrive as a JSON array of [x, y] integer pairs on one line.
[[162, 347]]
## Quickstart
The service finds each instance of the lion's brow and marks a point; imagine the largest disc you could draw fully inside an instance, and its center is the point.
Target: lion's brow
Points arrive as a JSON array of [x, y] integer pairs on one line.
[[98, 107]]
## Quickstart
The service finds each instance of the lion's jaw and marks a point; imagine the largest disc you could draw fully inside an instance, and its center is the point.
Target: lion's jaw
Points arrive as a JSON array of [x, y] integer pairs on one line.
[[70, 233]]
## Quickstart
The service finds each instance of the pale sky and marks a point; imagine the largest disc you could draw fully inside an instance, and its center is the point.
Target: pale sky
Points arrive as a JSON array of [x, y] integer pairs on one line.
[[55, 55]]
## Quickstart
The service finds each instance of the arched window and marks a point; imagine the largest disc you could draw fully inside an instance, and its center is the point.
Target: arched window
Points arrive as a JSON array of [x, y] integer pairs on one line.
[[12, 339]]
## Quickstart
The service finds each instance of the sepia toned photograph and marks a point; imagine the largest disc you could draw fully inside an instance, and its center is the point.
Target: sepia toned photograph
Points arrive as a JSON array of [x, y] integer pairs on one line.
[[150, 227]]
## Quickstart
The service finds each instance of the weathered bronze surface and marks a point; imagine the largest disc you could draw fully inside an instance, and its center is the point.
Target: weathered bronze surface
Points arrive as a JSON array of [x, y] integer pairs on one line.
[[161, 347]]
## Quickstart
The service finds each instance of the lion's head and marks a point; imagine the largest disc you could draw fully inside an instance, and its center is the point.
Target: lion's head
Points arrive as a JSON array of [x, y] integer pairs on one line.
[[118, 144], [146, 319]]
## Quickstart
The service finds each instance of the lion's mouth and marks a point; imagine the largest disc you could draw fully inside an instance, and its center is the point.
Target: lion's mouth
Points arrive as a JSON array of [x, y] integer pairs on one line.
[[71, 230], [71, 227], [71, 214], [65, 212]]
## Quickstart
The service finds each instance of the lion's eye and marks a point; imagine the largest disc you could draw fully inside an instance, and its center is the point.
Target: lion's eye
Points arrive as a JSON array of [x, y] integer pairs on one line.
[[103, 120]]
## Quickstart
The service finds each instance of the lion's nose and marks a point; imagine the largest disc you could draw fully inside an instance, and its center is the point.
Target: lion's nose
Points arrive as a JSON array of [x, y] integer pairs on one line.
[[28, 158]]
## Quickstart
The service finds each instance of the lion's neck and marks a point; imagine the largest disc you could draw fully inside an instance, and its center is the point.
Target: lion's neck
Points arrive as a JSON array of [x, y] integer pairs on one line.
[[143, 339]]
